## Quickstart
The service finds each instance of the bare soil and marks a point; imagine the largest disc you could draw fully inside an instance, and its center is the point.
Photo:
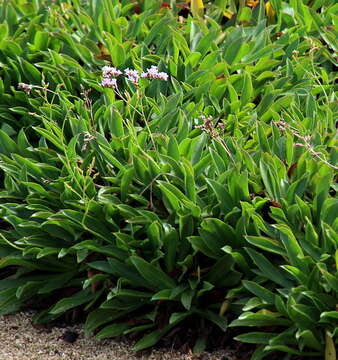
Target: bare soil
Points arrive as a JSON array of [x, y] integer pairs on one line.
[[19, 340]]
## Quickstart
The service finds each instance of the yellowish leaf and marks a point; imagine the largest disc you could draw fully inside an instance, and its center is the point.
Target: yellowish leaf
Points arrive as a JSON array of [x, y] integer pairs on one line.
[[252, 3], [270, 12], [330, 349], [197, 7], [65, 6], [270, 313], [224, 308], [228, 14]]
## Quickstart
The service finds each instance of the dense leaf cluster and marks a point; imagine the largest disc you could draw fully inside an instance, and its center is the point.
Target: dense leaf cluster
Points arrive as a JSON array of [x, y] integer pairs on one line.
[[203, 202]]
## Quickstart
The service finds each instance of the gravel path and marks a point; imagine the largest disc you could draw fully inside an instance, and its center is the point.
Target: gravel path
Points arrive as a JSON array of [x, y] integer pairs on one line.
[[19, 340]]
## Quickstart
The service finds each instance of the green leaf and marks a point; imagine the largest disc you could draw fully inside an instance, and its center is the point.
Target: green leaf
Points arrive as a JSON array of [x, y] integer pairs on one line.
[[255, 319], [101, 265], [305, 316], [56, 282], [289, 350], [99, 317], [80, 298], [222, 195], [90, 223], [173, 150], [267, 244], [260, 352], [327, 316], [126, 180], [109, 250], [116, 121], [7, 145], [255, 337], [214, 235], [294, 251], [219, 271], [265, 51], [218, 320], [112, 330], [54, 139], [268, 269], [187, 297], [247, 90], [310, 339], [234, 50], [152, 338], [259, 291], [170, 245], [29, 289], [171, 201], [189, 181], [122, 270], [200, 345], [153, 274], [30, 72], [41, 40], [3, 31], [270, 179], [18, 261]]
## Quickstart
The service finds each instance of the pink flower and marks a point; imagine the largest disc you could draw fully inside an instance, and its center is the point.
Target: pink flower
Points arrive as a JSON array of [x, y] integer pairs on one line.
[[153, 73], [109, 74], [162, 76], [132, 76], [131, 73], [109, 71], [110, 83]]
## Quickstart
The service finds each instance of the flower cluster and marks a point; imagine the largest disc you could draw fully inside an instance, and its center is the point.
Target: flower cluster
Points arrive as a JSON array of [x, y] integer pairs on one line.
[[109, 82], [27, 88], [109, 75], [209, 127], [153, 73], [109, 71], [132, 76]]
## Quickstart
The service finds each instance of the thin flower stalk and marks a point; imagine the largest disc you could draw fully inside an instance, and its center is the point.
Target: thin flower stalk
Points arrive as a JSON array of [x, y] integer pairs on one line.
[[283, 126]]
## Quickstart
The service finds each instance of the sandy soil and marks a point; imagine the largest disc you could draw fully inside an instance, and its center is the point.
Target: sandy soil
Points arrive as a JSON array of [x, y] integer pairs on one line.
[[19, 340]]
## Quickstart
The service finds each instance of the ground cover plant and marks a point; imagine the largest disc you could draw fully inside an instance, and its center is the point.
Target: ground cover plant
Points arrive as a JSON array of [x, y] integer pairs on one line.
[[169, 170]]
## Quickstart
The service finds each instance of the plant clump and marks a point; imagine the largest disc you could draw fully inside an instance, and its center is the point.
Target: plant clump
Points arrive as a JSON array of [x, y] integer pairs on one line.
[[192, 207]]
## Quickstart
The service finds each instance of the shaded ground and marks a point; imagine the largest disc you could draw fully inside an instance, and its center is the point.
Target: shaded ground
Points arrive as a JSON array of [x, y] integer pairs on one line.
[[21, 341]]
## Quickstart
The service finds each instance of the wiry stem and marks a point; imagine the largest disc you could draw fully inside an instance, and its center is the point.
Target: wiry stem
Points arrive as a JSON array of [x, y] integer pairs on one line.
[[306, 143]]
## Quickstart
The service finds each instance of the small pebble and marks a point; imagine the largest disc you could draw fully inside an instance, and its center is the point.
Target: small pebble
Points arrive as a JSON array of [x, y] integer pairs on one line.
[[70, 336]]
